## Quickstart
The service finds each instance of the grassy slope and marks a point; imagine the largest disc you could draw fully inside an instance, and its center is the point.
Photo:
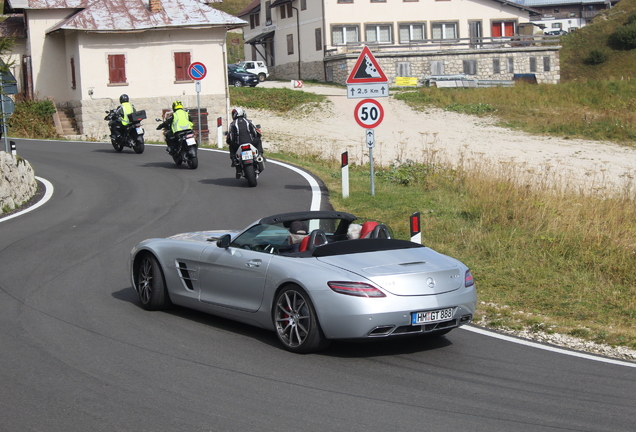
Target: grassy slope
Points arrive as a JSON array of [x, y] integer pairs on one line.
[[578, 45]]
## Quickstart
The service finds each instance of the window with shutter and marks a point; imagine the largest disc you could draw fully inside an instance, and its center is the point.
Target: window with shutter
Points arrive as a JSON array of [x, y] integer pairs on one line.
[[318, 36], [290, 44], [181, 64], [470, 67], [73, 82], [117, 69], [437, 67]]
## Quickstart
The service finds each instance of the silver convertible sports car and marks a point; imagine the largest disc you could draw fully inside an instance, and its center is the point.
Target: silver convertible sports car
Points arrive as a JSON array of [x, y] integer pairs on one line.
[[310, 277]]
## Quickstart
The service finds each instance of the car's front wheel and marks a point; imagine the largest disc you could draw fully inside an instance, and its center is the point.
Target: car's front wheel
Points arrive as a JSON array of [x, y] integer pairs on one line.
[[296, 321], [151, 285]]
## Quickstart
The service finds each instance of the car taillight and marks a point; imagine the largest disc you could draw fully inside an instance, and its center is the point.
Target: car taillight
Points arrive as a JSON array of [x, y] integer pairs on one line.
[[468, 279], [357, 289]]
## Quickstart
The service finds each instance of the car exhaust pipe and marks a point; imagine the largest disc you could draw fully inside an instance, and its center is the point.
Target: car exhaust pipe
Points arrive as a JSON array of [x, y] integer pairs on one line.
[[381, 331]]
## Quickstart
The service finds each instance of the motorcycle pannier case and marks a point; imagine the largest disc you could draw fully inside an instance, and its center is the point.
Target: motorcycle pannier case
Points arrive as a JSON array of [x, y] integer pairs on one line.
[[138, 115]]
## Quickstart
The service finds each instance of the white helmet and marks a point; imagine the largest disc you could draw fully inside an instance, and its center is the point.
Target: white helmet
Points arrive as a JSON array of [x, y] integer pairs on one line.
[[238, 112]]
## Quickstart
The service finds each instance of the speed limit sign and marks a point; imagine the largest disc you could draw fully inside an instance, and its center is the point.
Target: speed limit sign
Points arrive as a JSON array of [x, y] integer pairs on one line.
[[369, 113]]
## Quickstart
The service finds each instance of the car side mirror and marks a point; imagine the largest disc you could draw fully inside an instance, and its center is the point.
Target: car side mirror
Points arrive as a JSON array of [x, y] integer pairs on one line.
[[224, 241]]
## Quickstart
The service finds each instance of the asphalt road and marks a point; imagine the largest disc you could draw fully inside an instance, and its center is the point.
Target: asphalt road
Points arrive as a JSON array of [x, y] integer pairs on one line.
[[77, 352]]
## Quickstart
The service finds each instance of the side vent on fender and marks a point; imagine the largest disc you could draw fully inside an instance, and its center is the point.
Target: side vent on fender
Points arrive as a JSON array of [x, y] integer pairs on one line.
[[187, 276]]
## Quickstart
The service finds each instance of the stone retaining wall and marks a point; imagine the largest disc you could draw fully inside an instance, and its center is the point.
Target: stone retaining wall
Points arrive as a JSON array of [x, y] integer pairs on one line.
[[486, 64], [17, 181], [544, 62]]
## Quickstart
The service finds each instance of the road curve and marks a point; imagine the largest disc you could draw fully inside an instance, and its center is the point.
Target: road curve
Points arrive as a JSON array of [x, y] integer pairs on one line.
[[78, 353]]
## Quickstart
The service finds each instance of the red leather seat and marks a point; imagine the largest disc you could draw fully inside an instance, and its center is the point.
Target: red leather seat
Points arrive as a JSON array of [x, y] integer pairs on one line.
[[367, 228], [303, 244]]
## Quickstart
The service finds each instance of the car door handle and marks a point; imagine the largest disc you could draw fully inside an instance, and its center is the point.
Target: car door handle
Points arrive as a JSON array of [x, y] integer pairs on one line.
[[254, 263]]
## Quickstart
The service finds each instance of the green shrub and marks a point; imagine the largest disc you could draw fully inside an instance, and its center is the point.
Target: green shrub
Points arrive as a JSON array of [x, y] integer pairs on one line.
[[33, 119], [595, 57], [624, 38], [631, 19]]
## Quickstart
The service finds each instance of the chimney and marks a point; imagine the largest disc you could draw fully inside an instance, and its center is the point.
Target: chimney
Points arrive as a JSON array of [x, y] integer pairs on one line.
[[155, 6]]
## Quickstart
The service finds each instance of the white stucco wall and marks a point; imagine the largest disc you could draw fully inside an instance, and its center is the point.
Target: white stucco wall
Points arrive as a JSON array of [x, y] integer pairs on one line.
[[47, 53], [360, 12], [150, 69], [395, 12]]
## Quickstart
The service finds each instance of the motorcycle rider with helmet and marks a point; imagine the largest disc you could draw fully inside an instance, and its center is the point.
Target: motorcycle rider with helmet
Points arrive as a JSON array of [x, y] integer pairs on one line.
[[242, 131], [178, 121], [123, 111]]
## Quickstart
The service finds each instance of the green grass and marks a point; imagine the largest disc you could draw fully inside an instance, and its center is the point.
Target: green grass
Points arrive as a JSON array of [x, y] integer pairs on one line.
[[543, 259], [274, 99], [599, 110]]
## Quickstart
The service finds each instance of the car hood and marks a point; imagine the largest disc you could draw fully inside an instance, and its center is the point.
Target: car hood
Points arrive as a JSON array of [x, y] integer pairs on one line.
[[203, 236], [420, 271], [244, 74]]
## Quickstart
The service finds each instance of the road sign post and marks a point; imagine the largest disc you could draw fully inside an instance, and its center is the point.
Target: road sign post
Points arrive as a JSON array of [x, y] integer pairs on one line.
[[369, 114], [367, 80], [197, 72]]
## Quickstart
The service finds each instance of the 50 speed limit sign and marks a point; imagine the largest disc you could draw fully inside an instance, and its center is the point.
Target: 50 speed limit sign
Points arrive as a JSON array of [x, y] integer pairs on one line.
[[369, 113]]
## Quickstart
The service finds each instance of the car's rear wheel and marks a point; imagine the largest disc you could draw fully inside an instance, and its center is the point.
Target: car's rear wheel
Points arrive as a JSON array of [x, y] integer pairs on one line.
[[238, 83], [296, 321], [261, 77], [151, 284]]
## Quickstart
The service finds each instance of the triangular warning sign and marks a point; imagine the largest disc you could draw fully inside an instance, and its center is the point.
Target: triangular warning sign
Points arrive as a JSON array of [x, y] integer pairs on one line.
[[366, 69]]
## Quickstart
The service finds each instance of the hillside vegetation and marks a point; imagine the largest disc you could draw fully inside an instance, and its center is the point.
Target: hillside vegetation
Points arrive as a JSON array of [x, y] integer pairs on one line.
[[595, 100], [591, 53]]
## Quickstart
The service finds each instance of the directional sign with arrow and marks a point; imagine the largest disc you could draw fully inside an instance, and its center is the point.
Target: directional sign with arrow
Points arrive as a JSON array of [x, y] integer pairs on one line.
[[367, 90], [370, 138]]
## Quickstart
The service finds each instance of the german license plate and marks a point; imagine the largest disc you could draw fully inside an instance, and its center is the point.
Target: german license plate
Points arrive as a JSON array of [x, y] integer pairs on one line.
[[191, 141], [247, 155], [140, 131], [431, 316]]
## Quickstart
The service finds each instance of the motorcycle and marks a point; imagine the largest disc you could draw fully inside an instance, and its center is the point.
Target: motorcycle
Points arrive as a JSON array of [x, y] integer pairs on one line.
[[132, 134], [251, 161], [186, 149]]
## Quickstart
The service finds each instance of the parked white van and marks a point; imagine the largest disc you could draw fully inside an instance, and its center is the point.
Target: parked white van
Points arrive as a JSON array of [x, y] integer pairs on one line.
[[256, 67]]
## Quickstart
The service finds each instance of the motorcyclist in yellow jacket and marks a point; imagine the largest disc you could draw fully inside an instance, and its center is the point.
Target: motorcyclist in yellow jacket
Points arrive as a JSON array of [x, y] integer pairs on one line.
[[123, 111], [178, 121]]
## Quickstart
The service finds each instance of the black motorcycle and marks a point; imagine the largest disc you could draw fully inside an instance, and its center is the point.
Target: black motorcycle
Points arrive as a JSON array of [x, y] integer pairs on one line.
[[251, 161], [186, 148], [131, 135]]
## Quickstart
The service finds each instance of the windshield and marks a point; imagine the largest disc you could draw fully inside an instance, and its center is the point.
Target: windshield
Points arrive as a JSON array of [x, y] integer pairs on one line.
[[272, 238], [237, 69]]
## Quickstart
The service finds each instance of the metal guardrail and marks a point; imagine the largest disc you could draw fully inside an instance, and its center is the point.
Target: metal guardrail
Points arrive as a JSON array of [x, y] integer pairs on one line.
[[463, 81], [449, 44]]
